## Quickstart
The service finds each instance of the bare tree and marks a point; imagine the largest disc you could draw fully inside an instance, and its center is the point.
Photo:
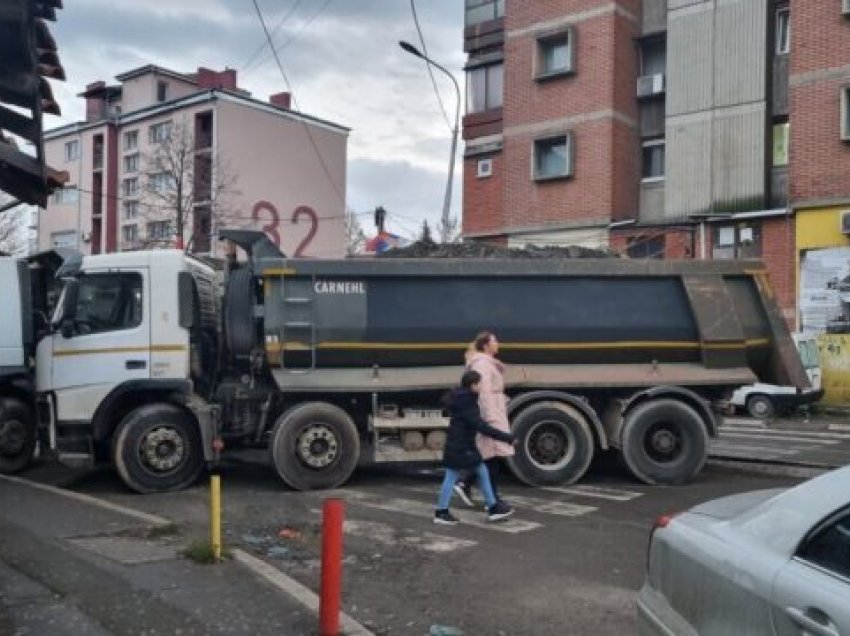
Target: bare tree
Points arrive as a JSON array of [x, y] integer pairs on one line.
[[186, 190], [12, 227], [355, 236]]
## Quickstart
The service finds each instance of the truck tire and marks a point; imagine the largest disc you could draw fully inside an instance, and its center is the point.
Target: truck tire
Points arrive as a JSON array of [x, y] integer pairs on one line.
[[315, 446], [158, 448], [239, 313], [664, 442], [17, 436], [554, 444], [760, 407]]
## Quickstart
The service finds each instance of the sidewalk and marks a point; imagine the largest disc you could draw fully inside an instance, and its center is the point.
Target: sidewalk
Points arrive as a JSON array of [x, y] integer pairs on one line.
[[70, 567]]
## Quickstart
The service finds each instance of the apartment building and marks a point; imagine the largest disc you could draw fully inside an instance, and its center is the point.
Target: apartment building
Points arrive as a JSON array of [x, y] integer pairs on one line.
[[663, 128], [162, 151]]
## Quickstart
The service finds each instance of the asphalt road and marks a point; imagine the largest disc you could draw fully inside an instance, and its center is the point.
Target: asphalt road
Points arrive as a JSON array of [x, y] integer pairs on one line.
[[569, 562]]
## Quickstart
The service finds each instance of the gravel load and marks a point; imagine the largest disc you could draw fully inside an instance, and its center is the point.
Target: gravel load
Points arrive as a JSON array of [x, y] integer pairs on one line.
[[424, 249]]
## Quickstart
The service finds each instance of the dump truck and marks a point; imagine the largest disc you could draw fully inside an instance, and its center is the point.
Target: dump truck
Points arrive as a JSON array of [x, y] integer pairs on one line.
[[158, 362]]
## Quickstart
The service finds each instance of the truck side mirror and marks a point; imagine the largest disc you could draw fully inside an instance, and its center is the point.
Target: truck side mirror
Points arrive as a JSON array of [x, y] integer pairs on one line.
[[68, 311]]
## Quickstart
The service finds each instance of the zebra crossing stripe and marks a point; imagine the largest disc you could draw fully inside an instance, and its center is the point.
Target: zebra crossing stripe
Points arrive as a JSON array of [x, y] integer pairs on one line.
[[426, 510], [786, 433], [534, 504], [595, 492]]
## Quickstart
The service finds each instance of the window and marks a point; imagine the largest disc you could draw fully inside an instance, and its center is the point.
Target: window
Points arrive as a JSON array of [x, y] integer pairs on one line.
[[72, 150], [737, 241], [160, 182], [159, 132], [64, 239], [652, 160], [131, 163], [130, 233], [829, 546], [485, 168], [159, 231], [652, 247], [552, 158], [131, 209], [555, 55], [484, 88], [478, 11], [66, 196], [109, 302], [130, 187], [161, 91], [131, 140], [781, 134], [845, 113], [783, 32], [653, 57]]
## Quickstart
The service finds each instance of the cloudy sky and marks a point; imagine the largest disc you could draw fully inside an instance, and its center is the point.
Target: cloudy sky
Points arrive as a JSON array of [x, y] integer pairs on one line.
[[341, 57]]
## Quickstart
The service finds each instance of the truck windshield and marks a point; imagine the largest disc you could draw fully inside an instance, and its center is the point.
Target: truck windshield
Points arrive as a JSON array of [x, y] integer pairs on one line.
[[809, 354]]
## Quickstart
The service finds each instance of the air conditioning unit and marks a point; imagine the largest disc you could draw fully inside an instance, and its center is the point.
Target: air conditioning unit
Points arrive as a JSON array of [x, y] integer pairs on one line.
[[485, 168], [845, 7], [650, 85], [845, 222]]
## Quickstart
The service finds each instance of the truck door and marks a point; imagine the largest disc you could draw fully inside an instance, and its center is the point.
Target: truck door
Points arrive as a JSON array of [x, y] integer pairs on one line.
[[107, 343]]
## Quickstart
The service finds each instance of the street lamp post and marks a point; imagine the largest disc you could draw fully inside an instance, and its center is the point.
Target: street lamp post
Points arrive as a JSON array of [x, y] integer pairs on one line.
[[447, 201]]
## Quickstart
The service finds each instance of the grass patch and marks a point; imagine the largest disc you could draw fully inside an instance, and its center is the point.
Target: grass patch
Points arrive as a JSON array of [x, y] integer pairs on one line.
[[201, 551]]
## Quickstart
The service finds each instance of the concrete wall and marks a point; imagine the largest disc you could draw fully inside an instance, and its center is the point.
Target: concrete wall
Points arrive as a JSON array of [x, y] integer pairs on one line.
[[716, 106], [141, 92]]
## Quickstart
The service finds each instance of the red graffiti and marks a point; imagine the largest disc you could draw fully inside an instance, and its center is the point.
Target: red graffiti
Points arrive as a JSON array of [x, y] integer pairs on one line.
[[272, 223]]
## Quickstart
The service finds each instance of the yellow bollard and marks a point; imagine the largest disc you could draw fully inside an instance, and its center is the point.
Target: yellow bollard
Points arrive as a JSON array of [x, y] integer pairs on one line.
[[215, 516]]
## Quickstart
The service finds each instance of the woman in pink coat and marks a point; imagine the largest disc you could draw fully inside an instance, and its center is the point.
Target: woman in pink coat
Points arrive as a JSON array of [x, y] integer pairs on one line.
[[494, 409]]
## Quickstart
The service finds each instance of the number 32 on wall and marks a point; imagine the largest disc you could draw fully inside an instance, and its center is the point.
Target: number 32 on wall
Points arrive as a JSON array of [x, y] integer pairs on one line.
[[272, 227]]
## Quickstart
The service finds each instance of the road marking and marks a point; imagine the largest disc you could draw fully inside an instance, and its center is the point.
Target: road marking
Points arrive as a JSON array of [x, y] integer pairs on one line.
[[295, 590], [147, 518], [393, 536], [426, 511], [596, 492], [779, 438], [545, 506], [743, 448], [786, 432]]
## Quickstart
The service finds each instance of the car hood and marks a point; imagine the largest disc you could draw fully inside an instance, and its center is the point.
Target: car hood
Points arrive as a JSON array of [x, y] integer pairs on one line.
[[734, 505]]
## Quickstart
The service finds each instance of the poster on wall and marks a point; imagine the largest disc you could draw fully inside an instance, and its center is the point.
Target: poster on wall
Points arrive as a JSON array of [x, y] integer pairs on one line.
[[825, 290]]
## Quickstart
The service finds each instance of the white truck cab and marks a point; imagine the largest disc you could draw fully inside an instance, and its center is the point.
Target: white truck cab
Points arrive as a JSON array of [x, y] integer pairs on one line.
[[766, 400]]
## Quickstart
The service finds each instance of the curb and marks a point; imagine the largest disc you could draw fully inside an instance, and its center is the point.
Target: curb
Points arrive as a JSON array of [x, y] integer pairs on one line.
[[295, 590], [774, 469], [289, 586]]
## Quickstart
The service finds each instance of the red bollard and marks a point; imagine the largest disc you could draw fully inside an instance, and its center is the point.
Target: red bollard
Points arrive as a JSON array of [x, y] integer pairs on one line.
[[333, 516]]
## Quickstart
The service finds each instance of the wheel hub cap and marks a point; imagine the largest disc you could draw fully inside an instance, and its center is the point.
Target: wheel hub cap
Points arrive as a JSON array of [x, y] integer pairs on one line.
[[549, 445], [318, 446], [12, 437], [163, 449], [663, 441]]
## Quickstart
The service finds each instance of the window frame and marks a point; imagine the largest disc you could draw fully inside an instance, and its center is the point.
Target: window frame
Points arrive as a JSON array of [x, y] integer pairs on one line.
[[484, 173], [133, 159], [569, 139], [737, 245], [653, 143], [540, 72], [124, 274], [498, 12], [783, 44], [486, 69], [134, 205], [161, 91], [128, 135], [77, 150], [127, 192], [166, 235], [160, 182], [128, 226], [845, 113], [154, 137]]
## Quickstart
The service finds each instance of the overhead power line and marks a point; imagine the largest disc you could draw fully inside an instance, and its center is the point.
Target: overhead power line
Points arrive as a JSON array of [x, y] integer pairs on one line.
[[275, 29], [428, 65]]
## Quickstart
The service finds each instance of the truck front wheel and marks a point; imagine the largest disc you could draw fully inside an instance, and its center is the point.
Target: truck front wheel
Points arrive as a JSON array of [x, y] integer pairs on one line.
[[315, 446], [664, 442], [157, 448], [17, 436], [554, 444]]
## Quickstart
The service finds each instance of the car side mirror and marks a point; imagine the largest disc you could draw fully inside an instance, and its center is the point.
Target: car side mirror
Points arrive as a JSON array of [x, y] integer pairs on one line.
[[67, 329]]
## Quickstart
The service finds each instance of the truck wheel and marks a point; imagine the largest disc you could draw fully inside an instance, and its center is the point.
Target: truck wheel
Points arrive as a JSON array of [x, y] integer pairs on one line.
[[158, 448], [554, 444], [760, 407], [664, 442], [17, 436], [315, 446], [239, 313]]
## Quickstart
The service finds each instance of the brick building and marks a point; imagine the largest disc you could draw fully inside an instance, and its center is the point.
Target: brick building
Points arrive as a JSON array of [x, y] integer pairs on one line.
[[663, 128], [160, 138]]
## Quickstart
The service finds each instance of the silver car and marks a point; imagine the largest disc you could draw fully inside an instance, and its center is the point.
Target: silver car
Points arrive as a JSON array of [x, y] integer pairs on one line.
[[774, 562]]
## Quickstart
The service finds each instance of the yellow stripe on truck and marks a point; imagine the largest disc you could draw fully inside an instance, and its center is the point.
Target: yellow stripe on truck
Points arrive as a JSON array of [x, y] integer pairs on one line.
[[151, 349]]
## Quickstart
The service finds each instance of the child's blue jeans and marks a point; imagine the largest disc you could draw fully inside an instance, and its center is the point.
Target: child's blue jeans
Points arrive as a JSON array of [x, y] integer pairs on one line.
[[452, 477]]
